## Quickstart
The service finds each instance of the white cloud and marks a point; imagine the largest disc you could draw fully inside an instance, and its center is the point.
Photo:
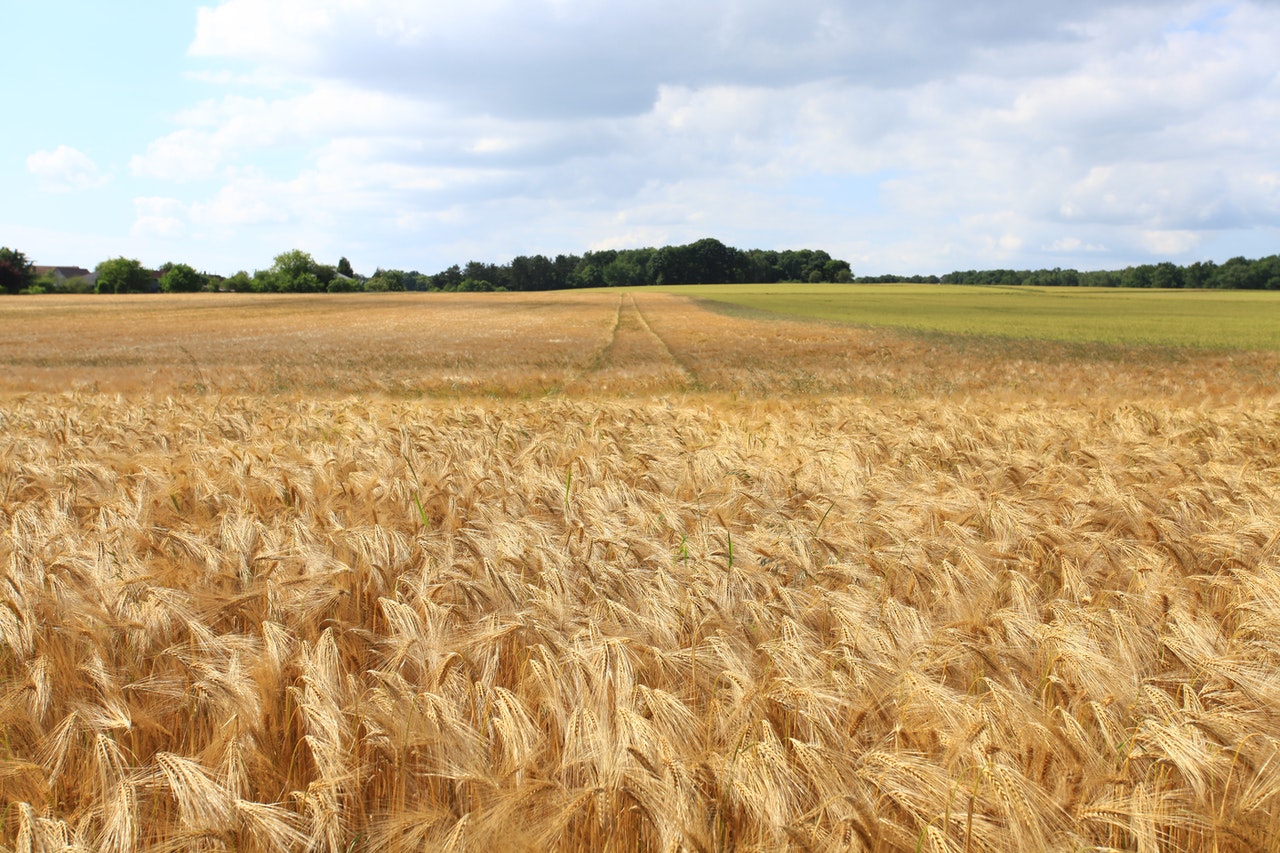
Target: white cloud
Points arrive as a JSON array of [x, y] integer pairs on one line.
[[246, 200], [1172, 243], [501, 127], [159, 217], [1073, 245], [219, 133], [65, 169], [596, 57], [183, 155]]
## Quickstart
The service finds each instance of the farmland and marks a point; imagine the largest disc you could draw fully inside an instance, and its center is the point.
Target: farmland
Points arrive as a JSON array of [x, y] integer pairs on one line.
[[604, 342], [1222, 319], [604, 571]]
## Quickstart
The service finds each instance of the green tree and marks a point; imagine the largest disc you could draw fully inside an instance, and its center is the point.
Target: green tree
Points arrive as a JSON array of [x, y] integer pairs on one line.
[[79, 284], [497, 276], [448, 279], [533, 273], [563, 267], [123, 275], [325, 273], [761, 266], [180, 278], [1166, 275], [705, 261], [48, 283], [1269, 272], [263, 281], [344, 268], [240, 282], [626, 270], [1199, 274], [385, 280], [1234, 274], [1139, 276], [395, 279], [16, 272], [296, 271], [837, 270], [586, 275]]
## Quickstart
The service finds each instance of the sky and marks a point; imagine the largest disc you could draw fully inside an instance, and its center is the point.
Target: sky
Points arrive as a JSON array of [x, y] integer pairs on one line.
[[905, 136]]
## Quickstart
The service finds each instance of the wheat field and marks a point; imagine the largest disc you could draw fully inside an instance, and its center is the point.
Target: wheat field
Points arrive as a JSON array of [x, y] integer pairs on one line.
[[649, 577]]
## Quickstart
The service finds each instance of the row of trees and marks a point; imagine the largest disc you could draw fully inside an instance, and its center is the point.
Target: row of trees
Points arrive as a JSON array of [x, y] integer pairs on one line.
[[1236, 274], [124, 275], [293, 272], [706, 261], [703, 262], [117, 275], [296, 271]]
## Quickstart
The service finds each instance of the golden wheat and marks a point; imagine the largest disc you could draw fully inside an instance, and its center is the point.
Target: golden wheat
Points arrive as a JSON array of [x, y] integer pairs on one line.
[[724, 583], [263, 623]]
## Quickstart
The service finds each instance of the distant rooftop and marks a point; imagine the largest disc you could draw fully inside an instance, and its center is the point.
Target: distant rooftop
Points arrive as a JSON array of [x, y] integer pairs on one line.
[[62, 272]]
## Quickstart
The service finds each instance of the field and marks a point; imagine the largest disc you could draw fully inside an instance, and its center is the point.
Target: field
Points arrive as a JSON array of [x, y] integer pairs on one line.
[[1221, 319], [607, 571]]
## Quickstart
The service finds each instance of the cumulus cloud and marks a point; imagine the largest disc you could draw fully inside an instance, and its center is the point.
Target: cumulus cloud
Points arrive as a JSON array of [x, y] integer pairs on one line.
[[159, 217], [187, 154], [1170, 242], [990, 130], [1073, 245], [65, 169], [574, 57]]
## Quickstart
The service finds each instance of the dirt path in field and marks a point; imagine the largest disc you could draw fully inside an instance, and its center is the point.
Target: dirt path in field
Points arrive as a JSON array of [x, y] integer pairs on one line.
[[635, 359]]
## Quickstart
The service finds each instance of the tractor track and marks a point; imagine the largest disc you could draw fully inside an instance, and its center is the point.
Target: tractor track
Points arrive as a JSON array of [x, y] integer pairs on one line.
[[634, 358]]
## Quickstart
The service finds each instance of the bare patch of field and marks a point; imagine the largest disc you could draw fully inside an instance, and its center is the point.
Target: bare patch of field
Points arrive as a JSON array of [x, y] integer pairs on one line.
[[733, 584]]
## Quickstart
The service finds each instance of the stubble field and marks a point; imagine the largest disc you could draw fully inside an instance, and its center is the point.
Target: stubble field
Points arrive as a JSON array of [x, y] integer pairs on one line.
[[603, 571]]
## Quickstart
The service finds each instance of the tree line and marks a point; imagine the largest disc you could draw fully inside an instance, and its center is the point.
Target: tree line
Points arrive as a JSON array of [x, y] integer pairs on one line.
[[1238, 273], [706, 261]]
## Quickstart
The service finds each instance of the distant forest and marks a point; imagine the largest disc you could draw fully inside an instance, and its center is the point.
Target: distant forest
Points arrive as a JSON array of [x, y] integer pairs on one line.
[[709, 261], [1235, 274], [706, 261]]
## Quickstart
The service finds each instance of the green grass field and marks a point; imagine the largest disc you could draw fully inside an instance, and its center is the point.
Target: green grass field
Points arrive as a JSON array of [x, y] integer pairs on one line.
[[1240, 320]]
